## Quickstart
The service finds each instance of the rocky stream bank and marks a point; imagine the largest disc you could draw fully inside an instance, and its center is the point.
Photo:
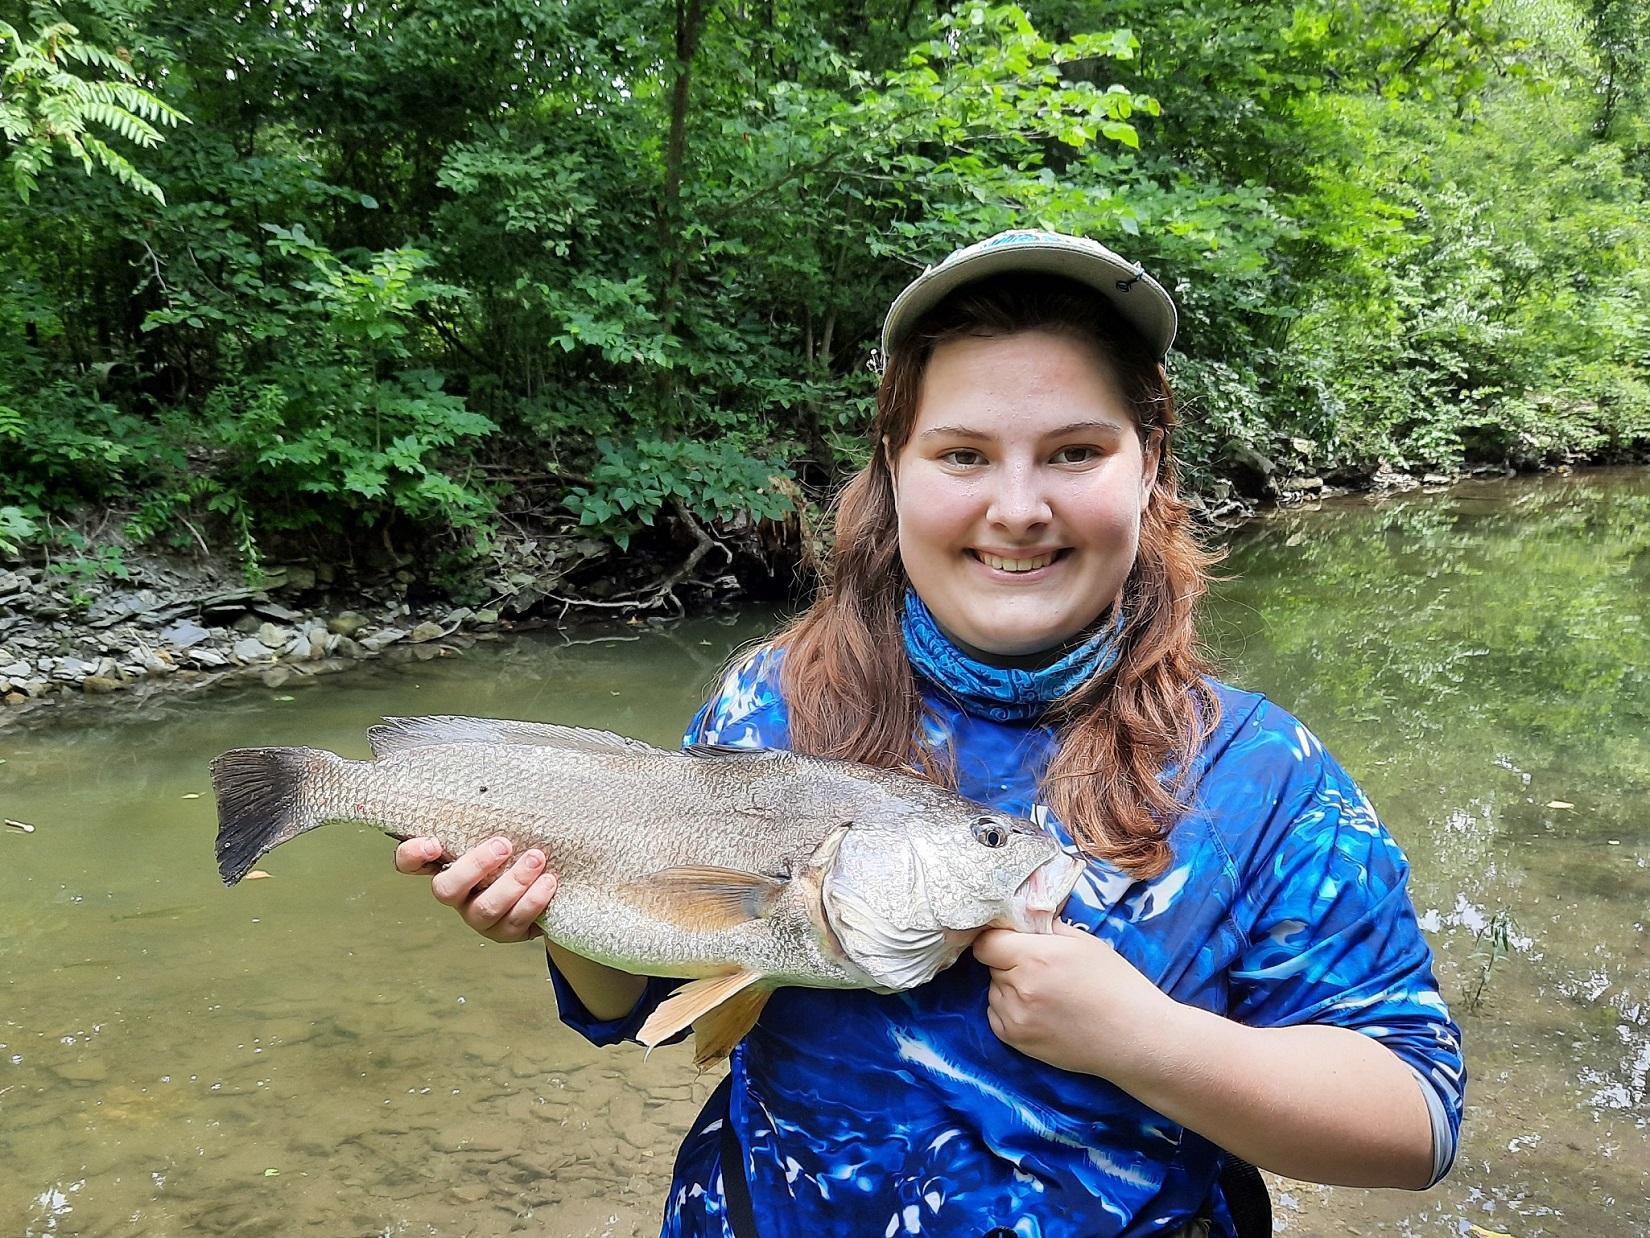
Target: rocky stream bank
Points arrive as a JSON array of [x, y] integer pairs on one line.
[[170, 625]]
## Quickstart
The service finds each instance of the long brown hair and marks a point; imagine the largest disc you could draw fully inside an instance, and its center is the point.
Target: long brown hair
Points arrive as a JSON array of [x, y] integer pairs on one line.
[[1128, 738]]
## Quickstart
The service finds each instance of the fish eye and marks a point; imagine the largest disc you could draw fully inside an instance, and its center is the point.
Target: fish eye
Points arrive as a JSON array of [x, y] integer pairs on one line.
[[991, 833]]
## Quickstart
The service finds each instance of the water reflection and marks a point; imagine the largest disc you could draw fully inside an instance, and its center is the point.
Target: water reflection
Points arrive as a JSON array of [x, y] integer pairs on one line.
[[327, 1051]]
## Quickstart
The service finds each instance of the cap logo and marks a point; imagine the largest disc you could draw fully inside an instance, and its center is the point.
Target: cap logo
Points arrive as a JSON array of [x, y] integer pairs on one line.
[[1125, 285]]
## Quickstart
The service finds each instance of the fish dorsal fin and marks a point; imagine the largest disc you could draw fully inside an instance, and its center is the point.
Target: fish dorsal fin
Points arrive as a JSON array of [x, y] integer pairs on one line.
[[702, 898], [401, 734], [724, 752], [722, 1010]]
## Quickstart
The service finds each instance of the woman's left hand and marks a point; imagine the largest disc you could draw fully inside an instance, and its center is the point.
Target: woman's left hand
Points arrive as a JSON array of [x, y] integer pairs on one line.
[[1067, 998], [1320, 1103]]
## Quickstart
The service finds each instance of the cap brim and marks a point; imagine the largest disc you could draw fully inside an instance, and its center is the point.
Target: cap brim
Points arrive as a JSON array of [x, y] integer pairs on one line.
[[1137, 296]]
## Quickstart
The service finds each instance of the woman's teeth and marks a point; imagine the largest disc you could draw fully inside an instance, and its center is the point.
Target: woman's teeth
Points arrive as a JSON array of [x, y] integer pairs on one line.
[[1014, 565]]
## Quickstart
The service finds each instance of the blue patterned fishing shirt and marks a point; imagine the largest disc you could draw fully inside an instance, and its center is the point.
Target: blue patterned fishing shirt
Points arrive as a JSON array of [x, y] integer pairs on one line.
[[886, 1115]]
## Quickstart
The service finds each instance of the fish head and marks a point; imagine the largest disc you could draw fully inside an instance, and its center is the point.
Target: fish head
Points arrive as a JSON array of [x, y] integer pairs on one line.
[[906, 895]]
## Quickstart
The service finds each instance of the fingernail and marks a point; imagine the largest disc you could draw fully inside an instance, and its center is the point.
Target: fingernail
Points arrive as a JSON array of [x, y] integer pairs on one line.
[[500, 847], [533, 859]]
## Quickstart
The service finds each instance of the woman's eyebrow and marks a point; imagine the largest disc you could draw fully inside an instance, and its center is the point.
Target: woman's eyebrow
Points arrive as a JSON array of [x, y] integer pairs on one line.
[[1106, 426], [1075, 427]]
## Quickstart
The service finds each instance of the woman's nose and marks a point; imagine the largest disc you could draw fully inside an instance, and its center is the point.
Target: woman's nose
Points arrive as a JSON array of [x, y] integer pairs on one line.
[[1019, 502]]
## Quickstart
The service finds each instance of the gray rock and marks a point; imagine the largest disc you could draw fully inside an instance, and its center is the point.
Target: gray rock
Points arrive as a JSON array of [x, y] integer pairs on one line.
[[347, 648], [247, 624], [272, 636], [98, 685], [274, 610], [487, 615], [297, 649], [184, 634], [382, 639], [17, 670], [298, 580], [1301, 485], [158, 664], [34, 687], [211, 658], [426, 631], [346, 623], [276, 677], [250, 649]]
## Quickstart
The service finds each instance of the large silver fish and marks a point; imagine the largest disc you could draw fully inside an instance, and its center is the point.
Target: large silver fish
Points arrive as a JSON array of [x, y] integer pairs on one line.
[[739, 869]]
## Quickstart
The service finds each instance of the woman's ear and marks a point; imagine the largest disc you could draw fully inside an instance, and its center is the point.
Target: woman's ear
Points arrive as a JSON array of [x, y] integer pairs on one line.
[[1153, 459]]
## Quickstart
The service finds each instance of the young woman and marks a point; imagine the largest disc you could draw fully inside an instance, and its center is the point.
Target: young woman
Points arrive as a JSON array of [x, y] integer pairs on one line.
[[1010, 607]]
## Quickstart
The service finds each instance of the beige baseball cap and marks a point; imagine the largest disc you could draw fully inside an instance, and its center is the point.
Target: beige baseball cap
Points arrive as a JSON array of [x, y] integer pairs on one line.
[[1137, 296]]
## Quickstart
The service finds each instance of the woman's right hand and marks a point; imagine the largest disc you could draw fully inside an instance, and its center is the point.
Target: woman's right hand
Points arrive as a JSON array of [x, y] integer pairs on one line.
[[501, 903]]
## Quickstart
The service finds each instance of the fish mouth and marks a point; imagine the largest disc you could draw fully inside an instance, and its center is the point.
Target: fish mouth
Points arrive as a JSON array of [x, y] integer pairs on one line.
[[1041, 895]]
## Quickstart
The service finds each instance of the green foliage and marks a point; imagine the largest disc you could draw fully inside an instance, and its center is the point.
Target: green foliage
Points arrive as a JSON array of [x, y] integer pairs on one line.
[[645, 248], [17, 526], [45, 103], [632, 483]]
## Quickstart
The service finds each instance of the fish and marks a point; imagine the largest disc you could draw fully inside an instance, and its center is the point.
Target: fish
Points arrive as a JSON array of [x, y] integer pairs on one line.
[[737, 870]]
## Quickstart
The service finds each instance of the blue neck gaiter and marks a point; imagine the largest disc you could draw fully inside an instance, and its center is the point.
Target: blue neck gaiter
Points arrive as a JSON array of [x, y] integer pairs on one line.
[[1003, 693]]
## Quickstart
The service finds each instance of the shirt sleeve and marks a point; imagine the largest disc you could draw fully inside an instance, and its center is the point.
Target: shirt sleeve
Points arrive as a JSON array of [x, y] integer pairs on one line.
[[746, 712], [1332, 937]]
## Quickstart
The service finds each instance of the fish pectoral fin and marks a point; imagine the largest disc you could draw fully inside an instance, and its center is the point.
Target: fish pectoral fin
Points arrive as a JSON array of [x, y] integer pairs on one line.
[[721, 1008], [703, 898]]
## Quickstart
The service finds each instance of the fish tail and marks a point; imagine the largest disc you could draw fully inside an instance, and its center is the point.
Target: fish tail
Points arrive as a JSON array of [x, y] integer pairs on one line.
[[262, 803]]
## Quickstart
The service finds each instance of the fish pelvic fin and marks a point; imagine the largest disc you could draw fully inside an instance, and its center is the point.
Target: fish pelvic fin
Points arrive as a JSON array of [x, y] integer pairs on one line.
[[261, 803], [722, 1010], [703, 898]]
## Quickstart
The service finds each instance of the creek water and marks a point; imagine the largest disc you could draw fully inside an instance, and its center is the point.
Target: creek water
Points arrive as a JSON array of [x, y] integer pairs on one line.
[[328, 1051]]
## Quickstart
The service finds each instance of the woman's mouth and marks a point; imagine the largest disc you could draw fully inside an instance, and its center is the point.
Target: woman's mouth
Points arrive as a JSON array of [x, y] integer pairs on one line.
[[1005, 563]]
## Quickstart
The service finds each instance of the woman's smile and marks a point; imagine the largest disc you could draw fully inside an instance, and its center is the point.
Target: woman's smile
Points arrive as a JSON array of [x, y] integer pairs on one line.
[[1021, 563], [1020, 491]]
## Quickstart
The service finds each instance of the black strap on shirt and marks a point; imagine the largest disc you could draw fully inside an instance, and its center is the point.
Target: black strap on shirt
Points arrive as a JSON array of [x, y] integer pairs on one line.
[[736, 1191], [1246, 1198]]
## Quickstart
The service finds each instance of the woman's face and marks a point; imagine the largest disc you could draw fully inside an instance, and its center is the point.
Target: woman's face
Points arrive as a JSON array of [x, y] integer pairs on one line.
[[1020, 491]]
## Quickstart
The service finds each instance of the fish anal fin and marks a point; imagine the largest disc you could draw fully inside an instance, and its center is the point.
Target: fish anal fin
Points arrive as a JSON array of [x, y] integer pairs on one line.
[[715, 1034], [704, 898], [721, 1008]]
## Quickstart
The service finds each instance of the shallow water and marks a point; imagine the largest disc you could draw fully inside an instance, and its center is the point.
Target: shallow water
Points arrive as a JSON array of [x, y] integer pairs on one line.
[[329, 1052]]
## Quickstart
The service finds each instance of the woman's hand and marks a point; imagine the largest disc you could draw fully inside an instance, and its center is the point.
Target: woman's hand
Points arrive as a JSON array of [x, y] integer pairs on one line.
[[501, 903], [1315, 1102], [1067, 998]]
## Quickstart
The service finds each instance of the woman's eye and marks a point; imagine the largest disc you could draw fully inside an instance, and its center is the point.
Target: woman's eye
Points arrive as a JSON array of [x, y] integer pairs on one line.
[[963, 458], [1075, 455]]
